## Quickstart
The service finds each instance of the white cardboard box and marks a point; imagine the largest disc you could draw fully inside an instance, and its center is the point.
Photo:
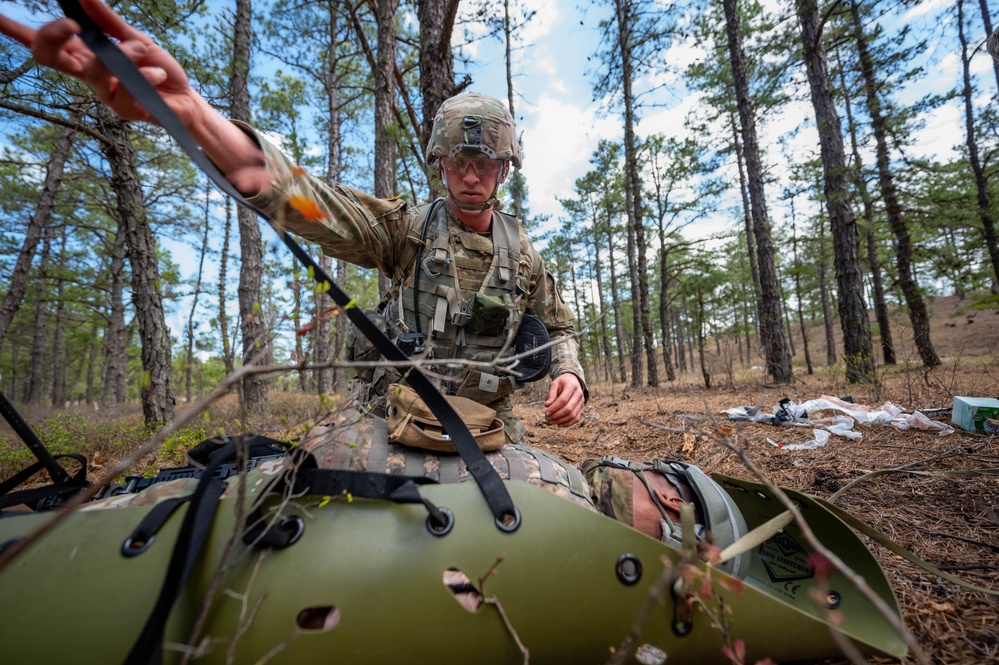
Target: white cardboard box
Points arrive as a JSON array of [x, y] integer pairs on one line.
[[970, 413]]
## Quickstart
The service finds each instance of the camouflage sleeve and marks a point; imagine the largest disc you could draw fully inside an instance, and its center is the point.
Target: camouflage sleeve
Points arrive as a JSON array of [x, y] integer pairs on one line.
[[545, 302], [346, 223]]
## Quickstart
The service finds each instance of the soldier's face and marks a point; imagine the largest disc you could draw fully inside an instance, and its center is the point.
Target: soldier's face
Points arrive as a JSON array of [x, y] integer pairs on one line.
[[472, 179], [648, 519]]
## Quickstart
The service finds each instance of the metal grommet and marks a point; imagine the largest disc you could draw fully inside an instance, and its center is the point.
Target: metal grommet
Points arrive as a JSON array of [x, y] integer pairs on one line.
[[299, 525], [443, 529], [681, 628], [513, 526], [833, 599], [629, 569], [131, 548], [683, 622]]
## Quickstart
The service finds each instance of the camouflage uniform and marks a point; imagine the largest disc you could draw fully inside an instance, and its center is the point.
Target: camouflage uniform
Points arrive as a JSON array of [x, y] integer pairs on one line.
[[360, 443], [257, 478], [385, 234]]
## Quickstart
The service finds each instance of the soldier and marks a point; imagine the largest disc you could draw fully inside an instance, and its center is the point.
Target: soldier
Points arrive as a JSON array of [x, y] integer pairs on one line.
[[464, 274]]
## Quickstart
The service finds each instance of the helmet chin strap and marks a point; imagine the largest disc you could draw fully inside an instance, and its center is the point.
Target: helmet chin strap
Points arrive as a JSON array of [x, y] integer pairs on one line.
[[472, 207]]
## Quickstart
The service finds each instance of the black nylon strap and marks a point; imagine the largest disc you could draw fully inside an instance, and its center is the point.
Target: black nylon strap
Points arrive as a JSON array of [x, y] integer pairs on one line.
[[156, 518], [364, 484], [489, 482], [32, 496], [335, 482], [148, 648]]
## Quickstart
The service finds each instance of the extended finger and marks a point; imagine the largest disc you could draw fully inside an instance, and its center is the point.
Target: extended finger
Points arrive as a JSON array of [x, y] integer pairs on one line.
[[108, 21]]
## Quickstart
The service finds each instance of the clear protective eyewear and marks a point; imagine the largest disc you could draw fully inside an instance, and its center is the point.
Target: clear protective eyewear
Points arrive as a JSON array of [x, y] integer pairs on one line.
[[482, 167]]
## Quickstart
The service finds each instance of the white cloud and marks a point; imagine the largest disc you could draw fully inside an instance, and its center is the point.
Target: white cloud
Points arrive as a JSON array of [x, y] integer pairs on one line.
[[925, 7], [546, 16], [937, 139], [559, 138]]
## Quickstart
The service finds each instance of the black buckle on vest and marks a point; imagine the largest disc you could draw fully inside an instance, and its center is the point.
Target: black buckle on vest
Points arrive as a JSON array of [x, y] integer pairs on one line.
[[412, 343]]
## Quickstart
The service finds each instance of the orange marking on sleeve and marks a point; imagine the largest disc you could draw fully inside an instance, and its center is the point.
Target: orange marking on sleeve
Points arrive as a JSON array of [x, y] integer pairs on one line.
[[308, 208]]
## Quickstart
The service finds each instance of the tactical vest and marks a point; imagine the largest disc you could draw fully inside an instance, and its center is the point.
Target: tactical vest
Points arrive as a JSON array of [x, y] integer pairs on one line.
[[468, 297]]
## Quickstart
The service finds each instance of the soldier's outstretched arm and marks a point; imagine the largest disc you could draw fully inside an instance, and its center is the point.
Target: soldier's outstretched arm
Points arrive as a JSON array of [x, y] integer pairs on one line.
[[56, 45]]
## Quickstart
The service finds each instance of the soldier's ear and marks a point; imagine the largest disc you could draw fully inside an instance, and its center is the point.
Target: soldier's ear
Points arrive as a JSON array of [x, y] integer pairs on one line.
[[504, 172]]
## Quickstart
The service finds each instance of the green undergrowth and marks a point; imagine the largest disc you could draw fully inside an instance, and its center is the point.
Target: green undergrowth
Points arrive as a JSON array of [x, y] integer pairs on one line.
[[107, 438], [72, 432]]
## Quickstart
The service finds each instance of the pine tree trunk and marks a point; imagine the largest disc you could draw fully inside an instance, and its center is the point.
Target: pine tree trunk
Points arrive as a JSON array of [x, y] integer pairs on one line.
[[88, 396], [610, 372], [436, 19], [616, 304], [918, 315], [642, 334], [747, 217], [255, 337], [772, 337], [386, 141], [700, 340], [787, 318], [798, 295], [37, 365], [296, 315], [113, 386], [981, 183], [227, 350], [18, 282], [987, 20], [880, 306], [58, 370], [156, 394], [583, 360], [329, 327], [683, 336], [754, 270], [664, 300], [827, 316], [852, 308], [189, 360], [746, 328]]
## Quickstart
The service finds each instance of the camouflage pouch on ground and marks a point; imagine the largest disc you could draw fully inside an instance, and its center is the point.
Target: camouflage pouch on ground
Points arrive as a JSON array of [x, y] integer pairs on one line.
[[412, 423]]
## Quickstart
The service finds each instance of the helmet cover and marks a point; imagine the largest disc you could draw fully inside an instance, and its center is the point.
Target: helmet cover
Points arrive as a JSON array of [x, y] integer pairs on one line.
[[474, 123]]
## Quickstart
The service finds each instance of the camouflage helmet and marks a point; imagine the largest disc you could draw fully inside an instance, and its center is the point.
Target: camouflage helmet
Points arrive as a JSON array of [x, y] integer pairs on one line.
[[477, 123]]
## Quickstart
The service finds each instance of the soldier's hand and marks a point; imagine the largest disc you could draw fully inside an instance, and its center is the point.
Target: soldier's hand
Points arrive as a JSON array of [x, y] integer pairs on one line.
[[57, 45], [564, 406]]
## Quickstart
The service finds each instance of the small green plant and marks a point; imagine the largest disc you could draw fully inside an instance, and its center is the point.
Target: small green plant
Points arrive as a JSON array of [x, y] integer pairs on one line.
[[986, 301]]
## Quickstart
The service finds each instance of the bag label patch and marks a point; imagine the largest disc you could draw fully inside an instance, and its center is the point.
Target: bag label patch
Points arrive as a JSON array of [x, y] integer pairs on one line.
[[785, 560]]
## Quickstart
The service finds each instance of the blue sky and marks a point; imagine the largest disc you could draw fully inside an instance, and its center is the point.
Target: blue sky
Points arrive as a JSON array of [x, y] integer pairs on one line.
[[562, 125]]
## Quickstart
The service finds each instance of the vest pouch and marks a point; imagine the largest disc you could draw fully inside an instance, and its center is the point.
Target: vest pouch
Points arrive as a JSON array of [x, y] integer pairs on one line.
[[490, 314], [360, 349], [484, 387], [412, 423]]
